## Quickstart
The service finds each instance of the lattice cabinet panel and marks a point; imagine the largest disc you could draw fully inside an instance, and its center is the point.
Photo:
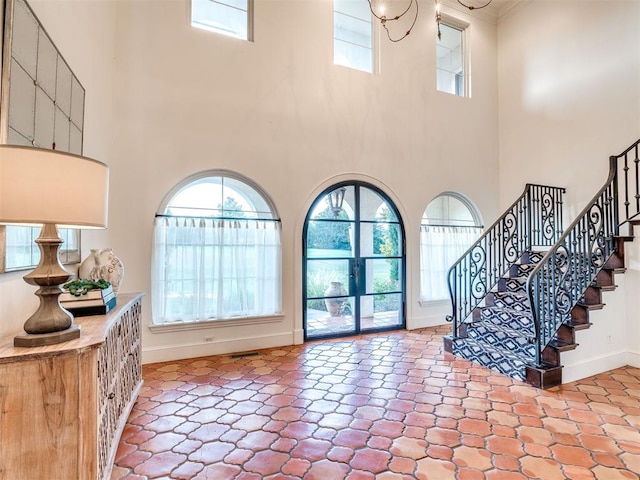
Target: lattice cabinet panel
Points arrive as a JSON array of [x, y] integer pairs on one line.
[[119, 375]]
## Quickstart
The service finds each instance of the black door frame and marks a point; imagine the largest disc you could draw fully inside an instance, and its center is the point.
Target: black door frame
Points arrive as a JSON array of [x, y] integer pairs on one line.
[[357, 263]]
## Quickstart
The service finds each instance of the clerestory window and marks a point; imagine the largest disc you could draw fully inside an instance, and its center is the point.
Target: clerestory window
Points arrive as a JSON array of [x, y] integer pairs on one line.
[[233, 18], [353, 35], [451, 71]]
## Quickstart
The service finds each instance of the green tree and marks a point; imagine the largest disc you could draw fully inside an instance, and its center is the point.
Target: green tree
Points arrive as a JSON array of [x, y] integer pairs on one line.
[[231, 208], [387, 235], [329, 235]]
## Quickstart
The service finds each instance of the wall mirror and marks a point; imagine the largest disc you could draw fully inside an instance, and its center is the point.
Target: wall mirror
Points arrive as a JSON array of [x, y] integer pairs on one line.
[[41, 105]]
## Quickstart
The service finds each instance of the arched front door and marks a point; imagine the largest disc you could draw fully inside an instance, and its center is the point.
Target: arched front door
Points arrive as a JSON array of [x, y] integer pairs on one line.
[[354, 263]]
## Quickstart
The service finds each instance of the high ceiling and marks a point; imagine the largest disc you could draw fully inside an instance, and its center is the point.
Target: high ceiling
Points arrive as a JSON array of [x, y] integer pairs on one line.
[[495, 9]]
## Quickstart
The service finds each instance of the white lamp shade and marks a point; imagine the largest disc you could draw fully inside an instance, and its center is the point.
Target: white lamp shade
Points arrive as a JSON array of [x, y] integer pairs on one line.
[[46, 186]]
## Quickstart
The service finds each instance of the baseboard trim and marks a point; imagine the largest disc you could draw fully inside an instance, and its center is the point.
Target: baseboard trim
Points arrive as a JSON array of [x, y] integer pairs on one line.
[[415, 323], [298, 336], [594, 366], [633, 359], [217, 347]]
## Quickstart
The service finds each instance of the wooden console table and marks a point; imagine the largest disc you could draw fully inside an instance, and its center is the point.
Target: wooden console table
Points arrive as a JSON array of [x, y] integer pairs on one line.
[[63, 407]]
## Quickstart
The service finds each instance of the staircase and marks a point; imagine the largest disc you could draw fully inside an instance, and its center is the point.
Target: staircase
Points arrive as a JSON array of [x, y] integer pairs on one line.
[[521, 292]]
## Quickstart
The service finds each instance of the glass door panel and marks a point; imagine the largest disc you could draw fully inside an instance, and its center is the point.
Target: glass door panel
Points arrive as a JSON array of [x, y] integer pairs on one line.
[[374, 208], [380, 239], [330, 239], [381, 311], [381, 305], [338, 204], [325, 277], [354, 264], [382, 275], [330, 299]]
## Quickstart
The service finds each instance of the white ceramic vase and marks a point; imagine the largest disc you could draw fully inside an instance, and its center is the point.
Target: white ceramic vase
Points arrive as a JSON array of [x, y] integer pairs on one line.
[[102, 264]]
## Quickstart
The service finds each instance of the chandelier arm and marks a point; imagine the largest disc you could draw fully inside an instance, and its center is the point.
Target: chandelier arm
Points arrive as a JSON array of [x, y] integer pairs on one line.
[[471, 7], [415, 18], [381, 18]]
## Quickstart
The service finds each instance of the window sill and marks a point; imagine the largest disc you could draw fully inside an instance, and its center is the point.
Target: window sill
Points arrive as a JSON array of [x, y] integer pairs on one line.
[[219, 323]]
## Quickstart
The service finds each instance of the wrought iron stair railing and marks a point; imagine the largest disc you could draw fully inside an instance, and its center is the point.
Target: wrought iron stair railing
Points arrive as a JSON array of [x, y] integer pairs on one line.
[[559, 282], [533, 220]]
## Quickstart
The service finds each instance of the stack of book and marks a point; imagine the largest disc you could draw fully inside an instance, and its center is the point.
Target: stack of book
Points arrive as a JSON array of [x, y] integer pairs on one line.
[[95, 302]]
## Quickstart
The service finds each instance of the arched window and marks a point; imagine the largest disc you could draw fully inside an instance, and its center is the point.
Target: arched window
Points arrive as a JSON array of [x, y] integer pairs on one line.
[[450, 225], [217, 251]]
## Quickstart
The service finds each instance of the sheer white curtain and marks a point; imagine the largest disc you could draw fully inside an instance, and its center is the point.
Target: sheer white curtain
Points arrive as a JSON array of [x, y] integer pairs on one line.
[[206, 269], [440, 248]]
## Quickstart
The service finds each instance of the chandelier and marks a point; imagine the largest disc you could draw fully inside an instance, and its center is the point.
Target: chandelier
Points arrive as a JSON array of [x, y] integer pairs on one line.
[[390, 11], [471, 6], [468, 5], [384, 11]]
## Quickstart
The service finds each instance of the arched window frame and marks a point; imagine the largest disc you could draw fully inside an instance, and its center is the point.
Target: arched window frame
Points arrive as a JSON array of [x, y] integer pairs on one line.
[[441, 243], [225, 258]]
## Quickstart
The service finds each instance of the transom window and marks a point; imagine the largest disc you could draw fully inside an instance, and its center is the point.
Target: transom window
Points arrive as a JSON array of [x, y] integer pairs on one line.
[[450, 58], [450, 225], [227, 17], [353, 34], [217, 252]]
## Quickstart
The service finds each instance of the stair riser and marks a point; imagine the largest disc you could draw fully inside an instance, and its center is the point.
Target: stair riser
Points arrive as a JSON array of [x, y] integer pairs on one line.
[[498, 338], [521, 270], [510, 367], [512, 285], [498, 317], [532, 257], [513, 301]]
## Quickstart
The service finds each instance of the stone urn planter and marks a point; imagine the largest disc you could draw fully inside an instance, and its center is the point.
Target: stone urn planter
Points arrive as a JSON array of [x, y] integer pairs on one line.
[[335, 306]]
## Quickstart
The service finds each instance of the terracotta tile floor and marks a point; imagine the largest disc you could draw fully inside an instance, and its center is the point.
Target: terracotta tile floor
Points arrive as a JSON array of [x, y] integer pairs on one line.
[[387, 406]]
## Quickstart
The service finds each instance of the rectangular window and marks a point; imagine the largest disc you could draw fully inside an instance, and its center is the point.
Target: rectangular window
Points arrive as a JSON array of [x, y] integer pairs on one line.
[[450, 57], [353, 35], [228, 17]]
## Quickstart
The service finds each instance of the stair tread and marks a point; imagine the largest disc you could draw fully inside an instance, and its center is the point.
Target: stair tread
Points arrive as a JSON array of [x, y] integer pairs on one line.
[[579, 326], [615, 269], [508, 311], [509, 294], [607, 288], [592, 306], [563, 346]]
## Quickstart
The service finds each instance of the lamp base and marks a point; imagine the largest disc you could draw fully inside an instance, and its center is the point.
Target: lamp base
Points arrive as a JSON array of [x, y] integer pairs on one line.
[[50, 323], [42, 339]]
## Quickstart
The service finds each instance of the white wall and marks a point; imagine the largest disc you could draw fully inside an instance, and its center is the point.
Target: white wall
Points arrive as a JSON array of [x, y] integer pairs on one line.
[[569, 83], [84, 34], [278, 111], [569, 93], [632, 283], [180, 100]]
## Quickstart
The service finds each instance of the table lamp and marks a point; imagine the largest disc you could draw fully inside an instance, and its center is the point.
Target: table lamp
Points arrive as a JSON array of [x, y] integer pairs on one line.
[[53, 189]]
